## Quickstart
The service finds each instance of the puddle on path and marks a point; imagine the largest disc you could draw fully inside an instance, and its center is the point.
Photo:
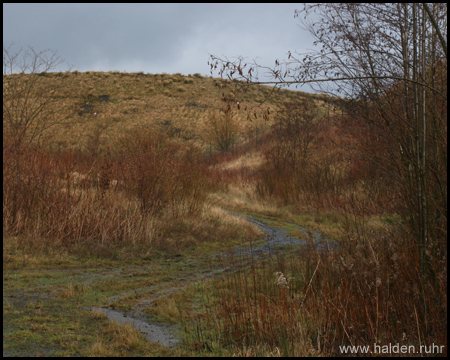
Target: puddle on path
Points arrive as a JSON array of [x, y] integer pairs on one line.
[[276, 240], [156, 333]]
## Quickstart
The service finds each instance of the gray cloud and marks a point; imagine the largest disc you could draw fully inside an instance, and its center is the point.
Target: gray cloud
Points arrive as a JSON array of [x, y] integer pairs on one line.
[[154, 37]]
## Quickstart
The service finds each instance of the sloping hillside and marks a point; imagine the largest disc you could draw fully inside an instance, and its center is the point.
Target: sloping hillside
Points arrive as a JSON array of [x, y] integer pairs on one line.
[[101, 105]]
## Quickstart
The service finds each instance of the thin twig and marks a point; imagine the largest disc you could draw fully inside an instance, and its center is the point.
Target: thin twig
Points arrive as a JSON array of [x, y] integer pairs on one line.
[[309, 285]]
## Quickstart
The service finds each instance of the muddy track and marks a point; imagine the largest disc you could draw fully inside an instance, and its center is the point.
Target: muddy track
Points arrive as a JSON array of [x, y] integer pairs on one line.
[[143, 293], [270, 245]]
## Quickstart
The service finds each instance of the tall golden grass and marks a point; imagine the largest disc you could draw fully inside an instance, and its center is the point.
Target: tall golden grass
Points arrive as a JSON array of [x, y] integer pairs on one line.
[[310, 303], [98, 205], [372, 290]]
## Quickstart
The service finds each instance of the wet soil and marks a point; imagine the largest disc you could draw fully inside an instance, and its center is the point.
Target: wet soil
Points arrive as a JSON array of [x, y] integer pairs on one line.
[[278, 238], [156, 332], [123, 294]]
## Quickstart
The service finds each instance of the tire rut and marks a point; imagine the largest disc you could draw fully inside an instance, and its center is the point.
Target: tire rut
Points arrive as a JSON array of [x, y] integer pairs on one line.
[[188, 272], [241, 256]]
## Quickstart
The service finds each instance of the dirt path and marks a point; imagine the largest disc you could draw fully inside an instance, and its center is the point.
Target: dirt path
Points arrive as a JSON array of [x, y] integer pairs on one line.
[[122, 294]]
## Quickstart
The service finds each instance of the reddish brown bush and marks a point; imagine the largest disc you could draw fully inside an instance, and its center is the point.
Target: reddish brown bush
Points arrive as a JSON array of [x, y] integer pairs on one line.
[[160, 173], [100, 204]]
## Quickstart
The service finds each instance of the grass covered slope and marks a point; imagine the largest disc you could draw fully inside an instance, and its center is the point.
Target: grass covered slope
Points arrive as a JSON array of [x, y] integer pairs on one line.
[[132, 188], [113, 164], [106, 104]]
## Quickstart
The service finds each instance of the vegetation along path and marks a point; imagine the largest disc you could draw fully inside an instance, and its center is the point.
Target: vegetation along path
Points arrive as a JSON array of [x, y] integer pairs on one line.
[[53, 311]]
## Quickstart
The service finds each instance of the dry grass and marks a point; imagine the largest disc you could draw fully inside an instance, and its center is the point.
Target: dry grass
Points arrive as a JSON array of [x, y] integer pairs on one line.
[[310, 303], [116, 340], [72, 290], [117, 102], [151, 193], [49, 202], [249, 161], [371, 291], [126, 336], [97, 314], [168, 197], [230, 220], [99, 349]]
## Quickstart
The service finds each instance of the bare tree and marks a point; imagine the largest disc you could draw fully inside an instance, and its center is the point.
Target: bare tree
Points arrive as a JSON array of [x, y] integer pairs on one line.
[[29, 103], [30, 106], [390, 60], [222, 129]]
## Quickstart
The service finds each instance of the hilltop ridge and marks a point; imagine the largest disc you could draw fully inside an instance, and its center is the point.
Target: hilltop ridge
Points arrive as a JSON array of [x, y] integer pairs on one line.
[[105, 104]]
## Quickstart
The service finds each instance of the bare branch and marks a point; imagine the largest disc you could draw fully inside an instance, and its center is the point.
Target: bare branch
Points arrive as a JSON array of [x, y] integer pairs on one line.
[[29, 102]]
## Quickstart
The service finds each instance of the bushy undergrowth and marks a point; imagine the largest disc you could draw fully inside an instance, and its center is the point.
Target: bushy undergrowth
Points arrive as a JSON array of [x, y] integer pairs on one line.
[[381, 286], [374, 289], [161, 174], [114, 202], [307, 302]]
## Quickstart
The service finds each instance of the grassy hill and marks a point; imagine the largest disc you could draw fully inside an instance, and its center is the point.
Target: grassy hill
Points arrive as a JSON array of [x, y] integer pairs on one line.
[[148, 214], [105, 104], [147, 134]]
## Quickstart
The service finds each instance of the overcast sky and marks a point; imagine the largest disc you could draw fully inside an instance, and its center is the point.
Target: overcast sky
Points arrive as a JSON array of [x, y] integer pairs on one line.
[[155, 38]]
